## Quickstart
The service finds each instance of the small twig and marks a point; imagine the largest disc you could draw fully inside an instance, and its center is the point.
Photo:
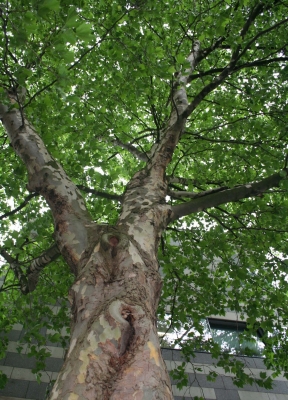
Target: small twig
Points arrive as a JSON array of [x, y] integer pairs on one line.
[[22, 205]]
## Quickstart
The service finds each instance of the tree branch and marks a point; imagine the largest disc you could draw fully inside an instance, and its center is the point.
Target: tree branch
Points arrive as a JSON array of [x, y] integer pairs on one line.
[[37, 266], [187, 181], [85, 189], [98, 193], [256, 63], [22, 205], [47, 177], [227, 195], [162, 151], [228, 70], [28, 281], [194, 195], [179, 95], [284, 21]]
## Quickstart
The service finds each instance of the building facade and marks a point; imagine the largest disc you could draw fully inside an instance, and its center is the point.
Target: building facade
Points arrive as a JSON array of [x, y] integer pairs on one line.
[[22, 382]]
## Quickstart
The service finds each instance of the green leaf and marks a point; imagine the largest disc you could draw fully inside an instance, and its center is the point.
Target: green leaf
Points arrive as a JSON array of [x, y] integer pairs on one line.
[[71, 17], [83, 30], [53, 5], [171, 70], [3, 379], [68, 56], [181, 58], [263, 375]]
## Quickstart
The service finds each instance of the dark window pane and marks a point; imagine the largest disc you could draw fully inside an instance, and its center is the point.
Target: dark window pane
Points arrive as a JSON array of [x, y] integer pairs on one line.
[[232, 338]]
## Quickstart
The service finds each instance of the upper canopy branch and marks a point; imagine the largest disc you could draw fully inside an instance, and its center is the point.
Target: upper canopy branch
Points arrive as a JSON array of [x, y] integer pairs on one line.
[[161, 152], [261, 34], [235, 57], [179, 95], [224, 196], [256, 63]]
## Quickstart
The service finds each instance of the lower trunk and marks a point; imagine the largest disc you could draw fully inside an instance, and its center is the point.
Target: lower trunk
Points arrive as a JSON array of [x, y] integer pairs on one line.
[[114, 351]]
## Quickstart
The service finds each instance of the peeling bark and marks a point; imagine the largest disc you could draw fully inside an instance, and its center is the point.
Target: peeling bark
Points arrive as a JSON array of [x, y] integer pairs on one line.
[[47, 177], [114, 351]]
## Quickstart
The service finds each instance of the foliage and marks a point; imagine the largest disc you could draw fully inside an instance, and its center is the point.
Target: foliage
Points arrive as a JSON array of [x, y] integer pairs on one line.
[[100, 72]]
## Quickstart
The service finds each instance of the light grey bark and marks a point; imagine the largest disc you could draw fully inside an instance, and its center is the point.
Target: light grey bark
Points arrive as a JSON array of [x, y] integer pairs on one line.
[[47, 177]]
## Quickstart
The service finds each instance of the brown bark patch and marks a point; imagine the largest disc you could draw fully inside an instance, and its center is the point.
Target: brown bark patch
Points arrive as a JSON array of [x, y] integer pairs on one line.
[[113, 241]]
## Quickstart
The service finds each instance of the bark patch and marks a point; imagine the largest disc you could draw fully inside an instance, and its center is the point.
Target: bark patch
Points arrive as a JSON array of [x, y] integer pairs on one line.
[[113, 241]]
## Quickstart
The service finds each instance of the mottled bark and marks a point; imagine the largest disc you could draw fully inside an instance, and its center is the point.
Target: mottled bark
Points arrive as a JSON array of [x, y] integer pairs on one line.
[[28, 280], [47, 177], [114, 351]]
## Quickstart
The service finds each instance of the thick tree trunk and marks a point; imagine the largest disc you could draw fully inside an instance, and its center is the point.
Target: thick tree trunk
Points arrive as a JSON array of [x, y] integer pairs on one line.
[[114, 350]]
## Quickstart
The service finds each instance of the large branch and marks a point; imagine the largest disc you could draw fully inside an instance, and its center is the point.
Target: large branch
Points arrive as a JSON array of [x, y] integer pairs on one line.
[[226, 196], [47, 177], [193, 195], [161, 152], [28, 281], [256, 63]]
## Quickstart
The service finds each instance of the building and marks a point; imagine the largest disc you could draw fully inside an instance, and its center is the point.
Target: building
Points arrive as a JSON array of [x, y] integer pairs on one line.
[[22, 383]]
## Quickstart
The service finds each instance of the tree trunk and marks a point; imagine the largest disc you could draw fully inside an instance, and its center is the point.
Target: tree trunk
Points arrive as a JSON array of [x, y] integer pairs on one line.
[[114, 350]]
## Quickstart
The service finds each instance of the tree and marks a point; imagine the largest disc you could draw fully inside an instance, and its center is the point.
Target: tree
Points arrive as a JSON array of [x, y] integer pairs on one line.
[[141, 124]]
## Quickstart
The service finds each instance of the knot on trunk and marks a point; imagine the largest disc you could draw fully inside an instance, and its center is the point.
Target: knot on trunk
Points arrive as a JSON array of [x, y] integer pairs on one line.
[[123, 316], [114, 241]]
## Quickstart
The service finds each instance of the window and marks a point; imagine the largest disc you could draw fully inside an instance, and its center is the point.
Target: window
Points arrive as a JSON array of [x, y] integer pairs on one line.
[[233, 338]]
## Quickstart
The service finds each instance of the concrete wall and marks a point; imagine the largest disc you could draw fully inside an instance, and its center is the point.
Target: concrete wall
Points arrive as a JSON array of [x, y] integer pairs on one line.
[[23, 384]]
